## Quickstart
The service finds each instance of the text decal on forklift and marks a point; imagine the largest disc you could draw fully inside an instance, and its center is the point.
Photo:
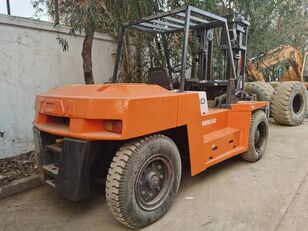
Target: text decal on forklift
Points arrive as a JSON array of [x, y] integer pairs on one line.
[[209, 122]]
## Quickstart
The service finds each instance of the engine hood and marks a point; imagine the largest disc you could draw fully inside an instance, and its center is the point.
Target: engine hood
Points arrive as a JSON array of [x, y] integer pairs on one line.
[[97, 101], [107, 91]]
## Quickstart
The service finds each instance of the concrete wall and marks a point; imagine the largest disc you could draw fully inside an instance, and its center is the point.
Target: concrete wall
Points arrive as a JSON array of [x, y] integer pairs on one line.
[[32, 61]]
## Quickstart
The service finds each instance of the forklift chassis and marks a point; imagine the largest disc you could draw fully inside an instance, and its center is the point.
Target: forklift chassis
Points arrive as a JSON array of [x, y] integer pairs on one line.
[[143, 132]]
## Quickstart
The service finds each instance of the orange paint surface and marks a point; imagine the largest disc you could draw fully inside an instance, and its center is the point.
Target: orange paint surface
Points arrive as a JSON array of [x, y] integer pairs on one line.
[[79, 111]]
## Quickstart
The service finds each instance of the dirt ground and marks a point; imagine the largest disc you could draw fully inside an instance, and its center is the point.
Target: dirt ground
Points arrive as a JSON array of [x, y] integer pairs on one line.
[[17, 167], [271, 194]]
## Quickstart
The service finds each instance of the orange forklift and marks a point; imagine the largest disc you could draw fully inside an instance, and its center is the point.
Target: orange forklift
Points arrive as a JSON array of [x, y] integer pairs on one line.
[[143, 132]]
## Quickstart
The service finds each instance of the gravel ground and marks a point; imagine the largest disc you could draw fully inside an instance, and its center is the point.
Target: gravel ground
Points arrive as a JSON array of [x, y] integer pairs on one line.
[[17, 167]]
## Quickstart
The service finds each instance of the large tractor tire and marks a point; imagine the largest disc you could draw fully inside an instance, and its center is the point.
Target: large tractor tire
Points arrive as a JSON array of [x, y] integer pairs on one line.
[[258, 135], [143, 180], [262, 90], [274, 84], [289, 103]]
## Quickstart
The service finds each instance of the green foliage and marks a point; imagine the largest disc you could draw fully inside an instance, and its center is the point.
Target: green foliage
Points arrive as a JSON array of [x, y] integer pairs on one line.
[[39, 6], [272, 23], [63, 42], [275, 22]]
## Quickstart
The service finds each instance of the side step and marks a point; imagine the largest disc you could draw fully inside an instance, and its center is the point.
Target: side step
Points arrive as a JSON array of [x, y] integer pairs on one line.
[[54, 148], [222, 133], [50, 183], [51, 169], [219, 142]]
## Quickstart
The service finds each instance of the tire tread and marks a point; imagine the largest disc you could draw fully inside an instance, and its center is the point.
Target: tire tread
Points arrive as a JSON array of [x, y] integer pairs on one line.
[[248, 155], [115, 181], [280, 103], [263, 90]]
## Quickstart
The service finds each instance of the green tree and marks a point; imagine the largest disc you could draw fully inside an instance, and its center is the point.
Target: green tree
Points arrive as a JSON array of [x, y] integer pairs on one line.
[[83, 16], [272, 22], [88, 16]]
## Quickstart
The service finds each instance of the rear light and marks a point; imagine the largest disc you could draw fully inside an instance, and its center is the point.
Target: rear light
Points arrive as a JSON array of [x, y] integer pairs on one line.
[[113, 126]]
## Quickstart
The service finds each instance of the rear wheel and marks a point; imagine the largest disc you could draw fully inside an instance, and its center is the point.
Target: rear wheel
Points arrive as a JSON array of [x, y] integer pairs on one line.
[[143, 180], [258, 136], [289, 103]]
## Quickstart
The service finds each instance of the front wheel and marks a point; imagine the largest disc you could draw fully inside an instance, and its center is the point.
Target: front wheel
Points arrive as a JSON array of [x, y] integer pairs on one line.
[[258, 136], [143, 180]]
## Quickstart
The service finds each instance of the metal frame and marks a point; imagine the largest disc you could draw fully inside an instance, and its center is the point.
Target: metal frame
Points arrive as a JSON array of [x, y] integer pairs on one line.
[[183, 19]]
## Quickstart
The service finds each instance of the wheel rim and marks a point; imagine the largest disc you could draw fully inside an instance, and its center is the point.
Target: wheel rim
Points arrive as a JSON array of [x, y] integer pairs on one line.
[[154, 182], [260, 135], [297, 104]]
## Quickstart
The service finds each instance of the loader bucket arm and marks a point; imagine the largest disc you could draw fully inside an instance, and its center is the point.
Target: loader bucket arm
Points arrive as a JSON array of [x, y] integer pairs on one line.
[[275, 56], [304, 74]]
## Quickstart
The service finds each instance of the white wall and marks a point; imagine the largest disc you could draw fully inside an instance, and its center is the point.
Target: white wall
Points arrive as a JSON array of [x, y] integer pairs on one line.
[[31, 62]]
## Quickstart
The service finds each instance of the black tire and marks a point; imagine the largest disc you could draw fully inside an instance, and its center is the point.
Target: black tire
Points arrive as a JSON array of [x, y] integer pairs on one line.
[[143, 180], [258, 135], [289, 103], [262, 90]]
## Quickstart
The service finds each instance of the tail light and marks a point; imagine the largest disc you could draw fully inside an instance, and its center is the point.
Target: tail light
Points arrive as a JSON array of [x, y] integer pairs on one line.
[[113, 126]]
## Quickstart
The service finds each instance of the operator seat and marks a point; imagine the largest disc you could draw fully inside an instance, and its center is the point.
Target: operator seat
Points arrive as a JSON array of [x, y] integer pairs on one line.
[[160, 76]]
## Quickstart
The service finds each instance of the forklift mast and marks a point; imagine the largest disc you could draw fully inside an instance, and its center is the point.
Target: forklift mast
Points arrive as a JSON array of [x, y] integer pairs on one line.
[[238, 33], [203, 60]]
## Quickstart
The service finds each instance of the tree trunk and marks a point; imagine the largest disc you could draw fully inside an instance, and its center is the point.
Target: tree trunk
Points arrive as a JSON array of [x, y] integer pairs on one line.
[[138, 77], [87, 54], [56, 16]]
